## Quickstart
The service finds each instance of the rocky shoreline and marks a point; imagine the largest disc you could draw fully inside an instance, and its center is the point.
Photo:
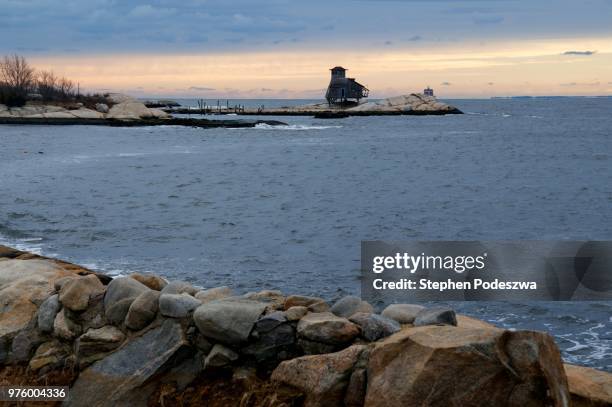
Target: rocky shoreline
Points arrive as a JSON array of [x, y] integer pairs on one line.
[[415, 104], [140, 340]]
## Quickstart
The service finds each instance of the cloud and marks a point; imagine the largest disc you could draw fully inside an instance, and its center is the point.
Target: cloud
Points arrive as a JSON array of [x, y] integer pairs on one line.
[[388, 42], [415, 38], [201, 88], [580, 53]]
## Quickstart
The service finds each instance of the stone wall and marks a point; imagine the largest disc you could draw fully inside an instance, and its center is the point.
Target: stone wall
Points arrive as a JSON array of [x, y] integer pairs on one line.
[[140, 340]]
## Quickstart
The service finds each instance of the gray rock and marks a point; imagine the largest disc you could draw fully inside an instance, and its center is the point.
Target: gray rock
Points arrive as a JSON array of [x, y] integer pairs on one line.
[[316, 348], [177, 305], [273, 298], [203, 344], [228, 321], [402, 313], [25, 342], [143, 310], [273, 345], [102, 107], [47, 312], [350, 305], [270, 321], [116, 313], [121, 375], [122, 288], [296, 313], [64, 328], [93, 316], [436, 316], [213, 294], [179, 287], [326, 327], [375, 327], [220, 356]]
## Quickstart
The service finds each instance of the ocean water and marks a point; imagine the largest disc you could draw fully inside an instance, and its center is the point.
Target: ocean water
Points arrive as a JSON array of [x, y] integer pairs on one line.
[[286, 207]]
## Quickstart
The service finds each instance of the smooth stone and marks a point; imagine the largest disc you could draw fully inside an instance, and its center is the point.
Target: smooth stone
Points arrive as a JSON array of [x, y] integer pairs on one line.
[[220, 356], [273, 345], [47, 312], [296, 313], [142, 310], [76, 293], [122, 288], [152, 281], [116, 313], [213, 294], [316, 348], [350, 305], [228, 321], [319, 304], [270, 321], [179, 287], [436, 316], [374, 327], [328, 328], [177, 305], [589, 387], [95, 344], [402, 313]]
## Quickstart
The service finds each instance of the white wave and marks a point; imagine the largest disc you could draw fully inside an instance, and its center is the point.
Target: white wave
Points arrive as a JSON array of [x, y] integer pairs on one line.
[[294, 127]]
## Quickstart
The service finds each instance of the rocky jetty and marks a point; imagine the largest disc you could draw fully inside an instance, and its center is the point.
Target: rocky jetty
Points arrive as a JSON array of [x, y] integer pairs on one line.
[[415, 104], [139, 340]]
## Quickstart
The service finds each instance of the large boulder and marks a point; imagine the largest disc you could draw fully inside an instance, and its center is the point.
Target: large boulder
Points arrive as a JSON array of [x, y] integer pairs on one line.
[[323, 379], [325, 327], [589, 387], [446, 365], [131, 109], [75, 294], [123, 288], [349, 305], [142, 310], [177, 305], [402, 313], [228, 321], [24, 285], [121, 376]]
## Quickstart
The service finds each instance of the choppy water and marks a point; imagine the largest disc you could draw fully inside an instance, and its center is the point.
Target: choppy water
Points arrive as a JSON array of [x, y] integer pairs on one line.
[[286, 208]]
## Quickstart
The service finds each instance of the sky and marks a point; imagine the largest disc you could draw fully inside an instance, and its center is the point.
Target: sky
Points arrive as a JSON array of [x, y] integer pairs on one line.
[[284, 49]]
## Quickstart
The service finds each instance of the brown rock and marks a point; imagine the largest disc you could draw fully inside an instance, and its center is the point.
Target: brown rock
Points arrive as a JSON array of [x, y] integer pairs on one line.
[[296, 313], [325, 327], [150, 280], [24, 284], [314, 304], [65, 328], [49, 354], [143, 310], [96, 343], [75, 293], [446, 365], [589, 387], [213, 294], [322, 378]]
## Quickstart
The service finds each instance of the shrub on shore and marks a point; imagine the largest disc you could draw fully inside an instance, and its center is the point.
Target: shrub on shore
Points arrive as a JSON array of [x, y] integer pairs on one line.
[[21, 83]]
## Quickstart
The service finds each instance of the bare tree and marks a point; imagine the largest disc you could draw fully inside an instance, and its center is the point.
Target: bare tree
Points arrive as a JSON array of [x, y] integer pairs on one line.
[[47, 85], [16, 74], [65, 87]]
